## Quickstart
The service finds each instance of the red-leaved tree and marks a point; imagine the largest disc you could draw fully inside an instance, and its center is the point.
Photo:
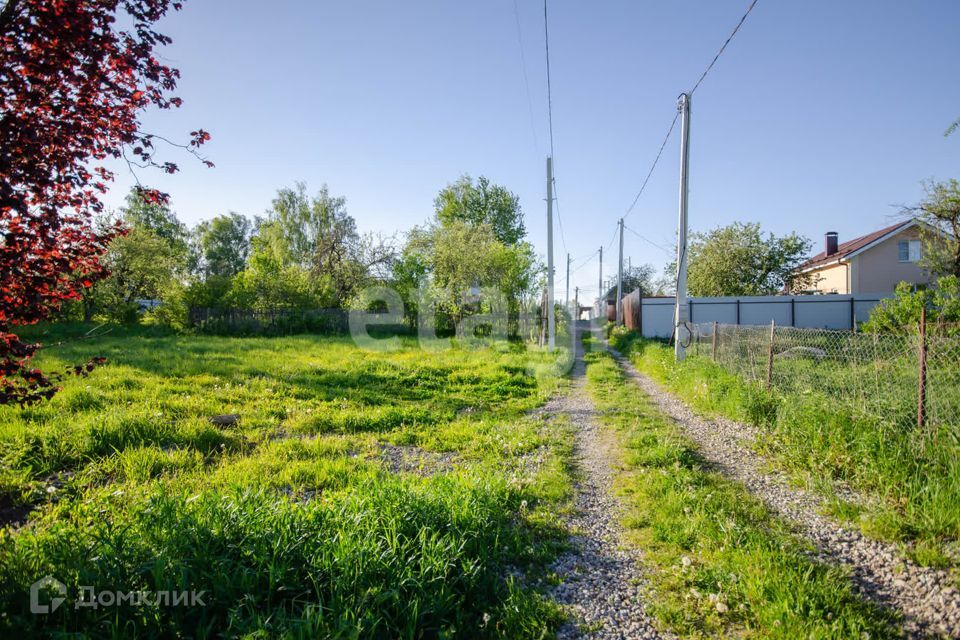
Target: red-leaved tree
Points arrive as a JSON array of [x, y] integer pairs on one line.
[[73, 85]]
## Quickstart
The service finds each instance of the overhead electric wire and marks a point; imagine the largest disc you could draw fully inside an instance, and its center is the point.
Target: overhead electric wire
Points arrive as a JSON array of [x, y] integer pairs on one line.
[[546, 40], [648, 240], [526, 79], [653, 166], [614, 237], [556, 203], [676, 116], [556, 198], [720, 52]]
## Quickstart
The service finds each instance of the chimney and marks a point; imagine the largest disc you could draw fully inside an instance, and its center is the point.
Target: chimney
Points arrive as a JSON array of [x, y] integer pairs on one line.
[[830, 244]]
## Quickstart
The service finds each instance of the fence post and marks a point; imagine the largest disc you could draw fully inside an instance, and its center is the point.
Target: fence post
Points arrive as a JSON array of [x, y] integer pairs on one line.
[[773, 326], [922, 378], [714, 341]]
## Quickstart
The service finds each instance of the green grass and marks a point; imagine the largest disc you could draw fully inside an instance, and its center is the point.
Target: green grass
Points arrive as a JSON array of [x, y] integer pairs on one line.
[[911, 477], [720, 563], [291, 521]]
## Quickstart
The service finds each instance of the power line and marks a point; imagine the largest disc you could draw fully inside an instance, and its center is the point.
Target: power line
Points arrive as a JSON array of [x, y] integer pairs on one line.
[[526, 80], [653, 166], [556, 197], [546, 39], [720, 52], [676, 116], [614, 237], [556, 206], [649, 241]]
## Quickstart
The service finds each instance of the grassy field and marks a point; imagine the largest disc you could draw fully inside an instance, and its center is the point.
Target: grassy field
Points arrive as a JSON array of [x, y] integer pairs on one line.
[[911, 476], [720, 563], [375, 494]]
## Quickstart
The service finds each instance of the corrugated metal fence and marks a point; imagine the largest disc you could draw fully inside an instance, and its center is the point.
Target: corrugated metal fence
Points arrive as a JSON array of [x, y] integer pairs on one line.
[[653, 316]]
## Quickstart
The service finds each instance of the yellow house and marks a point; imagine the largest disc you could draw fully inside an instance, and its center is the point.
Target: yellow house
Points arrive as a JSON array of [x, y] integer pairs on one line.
[[874, 263]]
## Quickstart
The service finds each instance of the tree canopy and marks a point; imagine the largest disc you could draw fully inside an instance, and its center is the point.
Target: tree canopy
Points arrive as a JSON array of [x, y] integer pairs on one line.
[[482, 203], [474, 241], [740, 260], [223, 244], [940, 232]]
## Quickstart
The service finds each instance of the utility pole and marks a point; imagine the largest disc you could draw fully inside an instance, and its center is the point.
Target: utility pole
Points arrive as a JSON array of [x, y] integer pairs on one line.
[[600, 309], [576, 304], [566, 296], [551, 319], [620, 278], [629, 265], [682, 309]]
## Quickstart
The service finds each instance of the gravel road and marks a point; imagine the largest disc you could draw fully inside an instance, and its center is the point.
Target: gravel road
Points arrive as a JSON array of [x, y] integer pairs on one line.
[[602, 581], [926, 597]]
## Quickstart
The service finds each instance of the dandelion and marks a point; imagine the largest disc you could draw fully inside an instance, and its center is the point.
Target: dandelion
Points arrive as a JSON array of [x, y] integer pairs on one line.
[[686, 561]]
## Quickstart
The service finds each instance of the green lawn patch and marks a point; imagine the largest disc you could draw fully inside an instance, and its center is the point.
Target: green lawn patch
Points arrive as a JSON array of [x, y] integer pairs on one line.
[[290, 521], [911, 477]]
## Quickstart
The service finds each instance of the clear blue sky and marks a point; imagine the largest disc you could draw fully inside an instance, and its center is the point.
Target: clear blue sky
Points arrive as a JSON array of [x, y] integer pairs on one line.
[[821, 115]]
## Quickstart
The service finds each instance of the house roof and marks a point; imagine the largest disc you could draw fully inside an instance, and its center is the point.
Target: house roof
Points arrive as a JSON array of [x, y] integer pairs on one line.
[[850, 247]]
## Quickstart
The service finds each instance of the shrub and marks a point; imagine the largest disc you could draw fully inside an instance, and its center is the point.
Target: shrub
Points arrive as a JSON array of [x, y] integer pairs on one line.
[[902, 312]]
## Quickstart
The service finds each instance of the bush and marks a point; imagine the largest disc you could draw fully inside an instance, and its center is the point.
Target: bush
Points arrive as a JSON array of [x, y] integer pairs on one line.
[[901, 313]]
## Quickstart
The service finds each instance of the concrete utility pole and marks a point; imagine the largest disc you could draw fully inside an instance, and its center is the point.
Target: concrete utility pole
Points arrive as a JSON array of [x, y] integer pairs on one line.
[[600, 308], [566, 296], [576, 304], [682, 310], [551, 319], [620, 278]]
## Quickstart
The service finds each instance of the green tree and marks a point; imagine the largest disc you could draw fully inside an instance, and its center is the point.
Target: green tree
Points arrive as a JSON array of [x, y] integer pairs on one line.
[[482, 203], [940, 232], [639, 277], [144, 263], [739, 260], [141, 213], [317, 234], [268, 283], [474, 242], [142, 266], [223, 244]]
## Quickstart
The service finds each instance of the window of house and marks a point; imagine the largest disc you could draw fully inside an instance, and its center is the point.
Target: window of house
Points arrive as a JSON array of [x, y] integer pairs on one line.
[[909, 250]]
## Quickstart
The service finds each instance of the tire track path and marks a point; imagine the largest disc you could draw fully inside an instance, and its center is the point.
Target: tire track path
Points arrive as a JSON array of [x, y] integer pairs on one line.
[[602, 581]]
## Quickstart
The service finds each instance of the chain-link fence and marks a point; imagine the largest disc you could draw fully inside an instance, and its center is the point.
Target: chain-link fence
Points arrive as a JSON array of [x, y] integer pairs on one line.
[[903, 379]]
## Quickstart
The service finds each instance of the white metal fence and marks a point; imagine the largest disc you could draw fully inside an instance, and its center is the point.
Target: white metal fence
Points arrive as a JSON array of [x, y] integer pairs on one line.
[[653, 317]]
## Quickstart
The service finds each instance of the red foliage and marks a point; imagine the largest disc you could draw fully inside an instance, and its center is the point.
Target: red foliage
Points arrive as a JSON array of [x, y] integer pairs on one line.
[[72, 88]]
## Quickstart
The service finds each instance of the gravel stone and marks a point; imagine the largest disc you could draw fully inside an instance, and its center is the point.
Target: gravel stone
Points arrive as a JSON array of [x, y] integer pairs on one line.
[[603, 585], [927, 597], [408, 459]]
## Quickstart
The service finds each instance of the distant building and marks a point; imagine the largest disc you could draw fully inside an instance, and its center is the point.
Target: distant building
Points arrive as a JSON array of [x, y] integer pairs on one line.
[[874, 263]]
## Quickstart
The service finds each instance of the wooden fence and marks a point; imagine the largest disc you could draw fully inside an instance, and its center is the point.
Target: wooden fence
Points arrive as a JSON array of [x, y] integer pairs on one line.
[[250, 320]]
